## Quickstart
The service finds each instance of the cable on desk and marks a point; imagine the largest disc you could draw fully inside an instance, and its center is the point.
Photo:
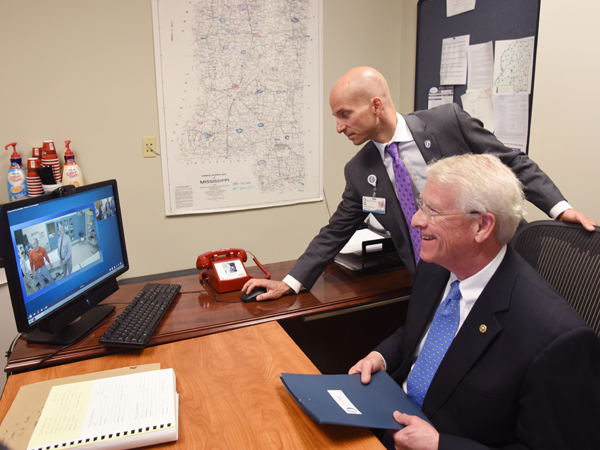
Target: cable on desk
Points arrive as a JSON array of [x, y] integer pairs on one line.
[[215, 298], [12, 346], [8, 353], [35, 366], [215, 295]]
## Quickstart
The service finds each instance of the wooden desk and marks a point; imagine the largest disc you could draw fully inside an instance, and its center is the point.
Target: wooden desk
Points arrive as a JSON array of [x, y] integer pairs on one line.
[[230, 395], [197, 312]]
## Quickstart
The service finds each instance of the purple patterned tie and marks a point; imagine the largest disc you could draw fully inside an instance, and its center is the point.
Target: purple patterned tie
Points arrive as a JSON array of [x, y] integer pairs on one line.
[[406, 197]]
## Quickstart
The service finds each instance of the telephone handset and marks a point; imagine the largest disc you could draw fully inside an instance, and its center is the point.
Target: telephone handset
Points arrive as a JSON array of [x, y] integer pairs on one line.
[[226, 271]]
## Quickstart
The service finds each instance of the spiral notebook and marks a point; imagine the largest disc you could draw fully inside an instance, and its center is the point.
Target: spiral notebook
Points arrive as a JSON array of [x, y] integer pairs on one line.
[[122, 412]]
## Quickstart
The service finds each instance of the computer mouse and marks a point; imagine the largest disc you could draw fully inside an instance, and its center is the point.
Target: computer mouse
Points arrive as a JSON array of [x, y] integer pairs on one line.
[[251, 297]]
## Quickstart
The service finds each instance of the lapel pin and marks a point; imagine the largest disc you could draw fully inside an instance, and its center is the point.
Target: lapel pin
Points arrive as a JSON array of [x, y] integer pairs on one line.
[[482, 328], [427, 143]]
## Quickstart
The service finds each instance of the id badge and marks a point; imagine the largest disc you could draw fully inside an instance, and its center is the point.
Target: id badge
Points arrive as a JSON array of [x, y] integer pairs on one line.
[[374, 205]]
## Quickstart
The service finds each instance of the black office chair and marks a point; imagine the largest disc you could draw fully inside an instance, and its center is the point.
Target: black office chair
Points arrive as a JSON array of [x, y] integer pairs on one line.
[[568, 257]]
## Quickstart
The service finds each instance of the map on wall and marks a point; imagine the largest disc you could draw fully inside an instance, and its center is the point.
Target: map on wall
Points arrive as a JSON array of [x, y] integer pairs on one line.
[[239, 100], [513, 66]]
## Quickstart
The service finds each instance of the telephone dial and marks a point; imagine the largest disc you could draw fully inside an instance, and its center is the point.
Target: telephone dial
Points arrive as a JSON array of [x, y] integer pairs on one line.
[[226, 271]]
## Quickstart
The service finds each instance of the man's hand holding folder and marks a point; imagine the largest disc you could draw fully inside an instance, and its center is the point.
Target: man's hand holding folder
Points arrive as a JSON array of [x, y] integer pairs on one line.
[[372, 363], [417, 433]]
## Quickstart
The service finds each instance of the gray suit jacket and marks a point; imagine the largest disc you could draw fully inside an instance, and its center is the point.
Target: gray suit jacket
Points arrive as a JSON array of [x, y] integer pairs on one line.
[[439, 132], [531, 380]]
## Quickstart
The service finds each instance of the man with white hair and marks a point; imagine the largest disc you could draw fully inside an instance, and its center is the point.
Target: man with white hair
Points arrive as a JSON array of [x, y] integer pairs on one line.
[[490, 352]]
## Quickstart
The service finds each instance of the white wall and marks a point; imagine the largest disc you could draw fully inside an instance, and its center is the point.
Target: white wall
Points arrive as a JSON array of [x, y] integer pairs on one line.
[[565, 118], [8, 328], [84, 71]]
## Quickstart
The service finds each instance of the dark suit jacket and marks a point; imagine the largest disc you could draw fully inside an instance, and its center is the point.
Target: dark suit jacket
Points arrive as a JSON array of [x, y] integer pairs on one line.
[[530, 381], [439, 132]]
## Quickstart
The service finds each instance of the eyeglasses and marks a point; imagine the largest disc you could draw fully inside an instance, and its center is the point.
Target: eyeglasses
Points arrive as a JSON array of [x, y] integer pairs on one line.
[[430, 214]]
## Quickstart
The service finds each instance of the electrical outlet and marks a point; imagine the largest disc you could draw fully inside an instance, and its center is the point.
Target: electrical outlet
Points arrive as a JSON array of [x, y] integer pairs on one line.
[[149, 147]]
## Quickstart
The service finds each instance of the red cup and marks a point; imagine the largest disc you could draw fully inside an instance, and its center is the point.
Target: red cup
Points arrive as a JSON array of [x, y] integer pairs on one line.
[[33, 163], [34, 183], [48, 148]]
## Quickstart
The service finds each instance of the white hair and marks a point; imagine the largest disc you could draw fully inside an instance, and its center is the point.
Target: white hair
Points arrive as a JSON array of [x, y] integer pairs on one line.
[[483, 184]]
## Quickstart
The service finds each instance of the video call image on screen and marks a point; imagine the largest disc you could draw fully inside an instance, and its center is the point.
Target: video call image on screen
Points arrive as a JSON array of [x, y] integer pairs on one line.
[[59, 254], [53, 250]]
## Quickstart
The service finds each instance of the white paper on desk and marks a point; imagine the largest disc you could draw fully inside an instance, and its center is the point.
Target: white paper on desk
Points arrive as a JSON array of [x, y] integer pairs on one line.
[[354, 245], [513, 66], [90, 409], [479, 105], [453, 66], [18, 424], [481, 66], [116, 402], [454, 7], [511, 117]]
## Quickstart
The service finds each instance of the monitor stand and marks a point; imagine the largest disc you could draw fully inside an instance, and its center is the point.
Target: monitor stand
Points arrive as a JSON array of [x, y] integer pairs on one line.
[[74, 331]]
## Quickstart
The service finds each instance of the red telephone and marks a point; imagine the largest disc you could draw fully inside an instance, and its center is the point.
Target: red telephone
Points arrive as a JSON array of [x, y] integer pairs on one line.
[[226, 271]]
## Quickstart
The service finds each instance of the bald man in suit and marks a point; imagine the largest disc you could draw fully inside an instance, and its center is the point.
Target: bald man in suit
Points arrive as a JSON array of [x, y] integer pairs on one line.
[[365, 113], [65, 253]]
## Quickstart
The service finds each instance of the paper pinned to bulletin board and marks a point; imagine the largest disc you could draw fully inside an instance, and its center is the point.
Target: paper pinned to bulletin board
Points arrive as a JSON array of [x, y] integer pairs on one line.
[[510, 27]]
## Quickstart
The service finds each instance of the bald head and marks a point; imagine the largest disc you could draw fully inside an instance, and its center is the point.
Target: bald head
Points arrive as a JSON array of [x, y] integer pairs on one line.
[[363, 83], [362, 104]]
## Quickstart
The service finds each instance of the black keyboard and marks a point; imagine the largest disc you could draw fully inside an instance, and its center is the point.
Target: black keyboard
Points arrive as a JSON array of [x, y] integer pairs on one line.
[[134, 326]]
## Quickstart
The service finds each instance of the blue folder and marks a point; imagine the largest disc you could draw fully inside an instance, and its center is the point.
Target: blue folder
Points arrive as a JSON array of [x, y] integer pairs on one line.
[[351, 402]]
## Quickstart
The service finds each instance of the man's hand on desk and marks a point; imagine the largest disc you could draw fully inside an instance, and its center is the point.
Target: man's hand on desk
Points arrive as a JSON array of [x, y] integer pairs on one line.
[[570, 215], [370, 364], [275, 289]]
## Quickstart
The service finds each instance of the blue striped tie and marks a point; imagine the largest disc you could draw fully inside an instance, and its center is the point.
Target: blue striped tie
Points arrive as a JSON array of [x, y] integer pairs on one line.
[[440, 336]]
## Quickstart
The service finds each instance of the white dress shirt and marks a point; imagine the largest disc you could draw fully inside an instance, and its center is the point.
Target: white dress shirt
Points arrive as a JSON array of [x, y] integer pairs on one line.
[[470, 290]]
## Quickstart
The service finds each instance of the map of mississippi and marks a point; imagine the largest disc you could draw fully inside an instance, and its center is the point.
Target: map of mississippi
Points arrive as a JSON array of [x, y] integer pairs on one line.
[[239, 99], [515, 68]]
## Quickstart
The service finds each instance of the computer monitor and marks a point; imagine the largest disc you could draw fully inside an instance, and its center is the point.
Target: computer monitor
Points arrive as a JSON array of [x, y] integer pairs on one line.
[[55, 298]]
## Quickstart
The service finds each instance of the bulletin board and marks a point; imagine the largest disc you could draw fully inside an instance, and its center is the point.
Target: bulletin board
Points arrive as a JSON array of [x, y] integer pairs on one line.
[[491, 20]]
